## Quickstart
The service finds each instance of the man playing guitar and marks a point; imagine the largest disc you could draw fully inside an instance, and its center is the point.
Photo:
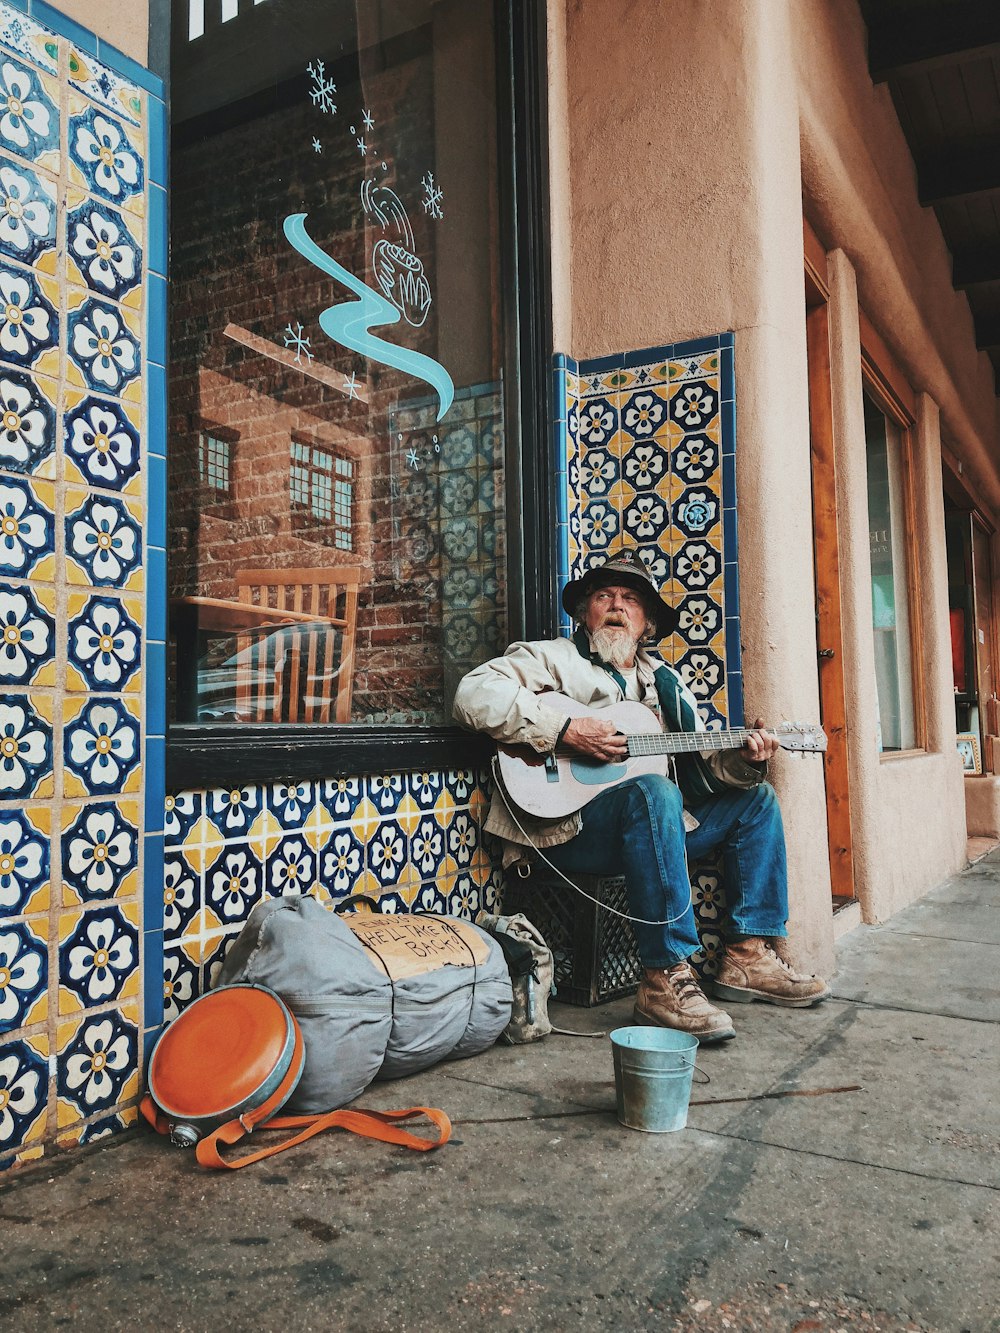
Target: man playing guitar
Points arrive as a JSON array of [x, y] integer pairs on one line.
[[646, 826]]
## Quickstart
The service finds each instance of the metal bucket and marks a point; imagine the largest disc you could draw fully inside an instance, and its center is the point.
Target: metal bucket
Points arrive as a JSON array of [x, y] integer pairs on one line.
[[653, 1072]]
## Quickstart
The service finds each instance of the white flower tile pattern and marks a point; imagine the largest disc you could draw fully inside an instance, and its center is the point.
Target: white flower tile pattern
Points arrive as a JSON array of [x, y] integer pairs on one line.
[[27, 213], [105, 157], [105, 254], [411, 841], [29, 113], [29, 318], [27, 635], [24, 865], [27, 421], [74, 262]]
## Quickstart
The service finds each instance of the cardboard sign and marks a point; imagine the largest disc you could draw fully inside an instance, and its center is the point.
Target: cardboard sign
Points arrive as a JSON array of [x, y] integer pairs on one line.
[[407, 946]]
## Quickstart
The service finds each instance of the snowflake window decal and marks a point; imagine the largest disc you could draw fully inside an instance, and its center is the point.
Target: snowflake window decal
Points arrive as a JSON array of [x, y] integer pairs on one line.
[[323, 88]]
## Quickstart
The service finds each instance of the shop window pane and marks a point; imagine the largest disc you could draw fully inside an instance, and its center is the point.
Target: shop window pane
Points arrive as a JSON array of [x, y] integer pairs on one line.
[[336, 309], [890, 581]]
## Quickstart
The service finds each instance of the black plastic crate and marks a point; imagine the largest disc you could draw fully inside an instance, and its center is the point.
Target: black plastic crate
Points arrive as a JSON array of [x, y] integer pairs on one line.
[[593, 950]]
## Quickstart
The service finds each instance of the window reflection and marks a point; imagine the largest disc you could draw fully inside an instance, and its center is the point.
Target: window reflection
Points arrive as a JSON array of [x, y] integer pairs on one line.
[[337, 537]]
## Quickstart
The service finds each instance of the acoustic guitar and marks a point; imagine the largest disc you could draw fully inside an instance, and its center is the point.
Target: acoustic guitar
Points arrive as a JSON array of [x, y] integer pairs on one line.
[[551, 786]]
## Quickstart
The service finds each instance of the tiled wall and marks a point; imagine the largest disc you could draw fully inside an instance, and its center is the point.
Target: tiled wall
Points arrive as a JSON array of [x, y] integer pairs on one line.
[[410, 840], [645, 454], [82, 282]]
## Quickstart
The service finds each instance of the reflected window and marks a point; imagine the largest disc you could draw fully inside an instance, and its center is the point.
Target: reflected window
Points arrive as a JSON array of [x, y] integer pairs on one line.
[[214, 460], [322, 488], [890, 576], [337, 533]]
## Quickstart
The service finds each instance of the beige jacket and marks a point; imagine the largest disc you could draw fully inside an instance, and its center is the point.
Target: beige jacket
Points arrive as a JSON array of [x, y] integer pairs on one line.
[[500, 698]]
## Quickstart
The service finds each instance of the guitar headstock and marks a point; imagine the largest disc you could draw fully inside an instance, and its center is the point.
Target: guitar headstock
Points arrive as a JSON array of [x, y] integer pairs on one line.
[[805, 736]]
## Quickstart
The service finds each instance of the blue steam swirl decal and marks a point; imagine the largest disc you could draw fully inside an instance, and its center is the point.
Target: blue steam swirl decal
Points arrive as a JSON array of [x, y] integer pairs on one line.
[[350, 322]]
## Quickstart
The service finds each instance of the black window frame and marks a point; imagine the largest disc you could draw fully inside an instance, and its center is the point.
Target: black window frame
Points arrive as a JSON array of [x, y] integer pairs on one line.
[[199, 755]]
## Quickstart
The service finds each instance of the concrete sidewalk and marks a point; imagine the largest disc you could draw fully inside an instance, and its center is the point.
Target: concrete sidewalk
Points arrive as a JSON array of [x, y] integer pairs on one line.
[[849, 1210]]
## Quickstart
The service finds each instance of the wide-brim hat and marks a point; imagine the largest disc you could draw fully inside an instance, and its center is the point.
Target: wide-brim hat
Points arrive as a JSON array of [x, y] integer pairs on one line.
[[626, 568]]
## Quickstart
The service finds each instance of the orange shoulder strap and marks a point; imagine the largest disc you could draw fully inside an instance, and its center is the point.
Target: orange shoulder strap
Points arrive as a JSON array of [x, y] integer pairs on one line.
[[370, 1124]]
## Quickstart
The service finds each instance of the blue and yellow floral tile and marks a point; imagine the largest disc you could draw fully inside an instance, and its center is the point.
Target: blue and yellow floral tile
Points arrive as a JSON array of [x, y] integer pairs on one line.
[[27, 423], [181, 982], [105, 87], [103, 344], [100, 852], [25, 861], [694, 404], [101, 751], [106, 156], [25, 746], [29, 320], [234, 810], [182, 897], [290, 868], [29, 113], [101, 440], [181, 812], [98, 956], [24, 974], [103, 643], [103, 541], [291, 802], [235, 883], [386, 853], [27, 635], [27, 529], [103, 249], [340, 796], [24, 1091], [27, 38], [28, 214], [97, 1063], [340, 864], [385, 791]]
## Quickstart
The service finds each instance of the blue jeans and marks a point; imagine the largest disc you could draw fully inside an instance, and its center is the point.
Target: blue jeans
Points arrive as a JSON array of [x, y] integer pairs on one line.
[[637, 829]]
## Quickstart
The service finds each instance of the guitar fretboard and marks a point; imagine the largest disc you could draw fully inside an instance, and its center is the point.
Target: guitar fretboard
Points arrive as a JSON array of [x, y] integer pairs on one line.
[[678, 742]]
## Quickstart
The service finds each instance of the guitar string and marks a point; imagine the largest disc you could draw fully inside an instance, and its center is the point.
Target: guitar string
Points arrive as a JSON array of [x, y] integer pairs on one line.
[[625, 916]]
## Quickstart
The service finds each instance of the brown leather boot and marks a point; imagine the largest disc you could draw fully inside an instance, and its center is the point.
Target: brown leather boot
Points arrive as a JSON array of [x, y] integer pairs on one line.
[[751, 970], [672, 998]]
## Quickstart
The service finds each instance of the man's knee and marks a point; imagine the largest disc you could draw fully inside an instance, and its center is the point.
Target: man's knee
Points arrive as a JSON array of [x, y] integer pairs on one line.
[[659, 795]]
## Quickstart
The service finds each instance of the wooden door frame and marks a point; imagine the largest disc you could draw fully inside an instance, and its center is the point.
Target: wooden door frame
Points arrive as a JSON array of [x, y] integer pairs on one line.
[[826, 556]]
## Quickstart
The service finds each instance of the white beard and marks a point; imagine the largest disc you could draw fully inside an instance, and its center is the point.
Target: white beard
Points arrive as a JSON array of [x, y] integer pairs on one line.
[[614, 644]]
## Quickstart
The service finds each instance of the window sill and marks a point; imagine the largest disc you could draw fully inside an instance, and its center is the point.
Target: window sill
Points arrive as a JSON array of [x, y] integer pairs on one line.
[[234, 754], [893, 756]]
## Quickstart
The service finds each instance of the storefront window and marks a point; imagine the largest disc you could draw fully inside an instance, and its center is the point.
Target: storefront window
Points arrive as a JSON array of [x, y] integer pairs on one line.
[[890, 580], [337, 430]]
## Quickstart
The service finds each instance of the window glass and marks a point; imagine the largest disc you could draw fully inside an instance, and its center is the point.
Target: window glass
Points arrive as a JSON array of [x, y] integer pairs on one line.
[[890, 581], [337, 527]]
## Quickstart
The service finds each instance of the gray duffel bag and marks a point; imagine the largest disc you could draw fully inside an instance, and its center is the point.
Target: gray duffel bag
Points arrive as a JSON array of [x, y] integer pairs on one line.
[[376, 995]]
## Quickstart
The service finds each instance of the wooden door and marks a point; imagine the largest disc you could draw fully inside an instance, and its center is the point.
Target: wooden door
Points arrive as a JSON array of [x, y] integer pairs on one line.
[[826, 544]]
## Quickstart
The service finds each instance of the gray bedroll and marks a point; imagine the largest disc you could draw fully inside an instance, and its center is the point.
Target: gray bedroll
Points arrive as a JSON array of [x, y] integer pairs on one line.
[[419, 989]]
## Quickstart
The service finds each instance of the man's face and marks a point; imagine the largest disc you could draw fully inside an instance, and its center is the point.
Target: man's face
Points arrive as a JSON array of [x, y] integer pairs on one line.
[[617, 607]]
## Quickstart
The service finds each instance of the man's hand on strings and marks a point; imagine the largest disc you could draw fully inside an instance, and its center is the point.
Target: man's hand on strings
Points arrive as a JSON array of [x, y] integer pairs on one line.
[[596, 739], [761, 745]]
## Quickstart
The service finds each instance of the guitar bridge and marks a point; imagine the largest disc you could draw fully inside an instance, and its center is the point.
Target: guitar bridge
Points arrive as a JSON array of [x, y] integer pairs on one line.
[[551, 768]]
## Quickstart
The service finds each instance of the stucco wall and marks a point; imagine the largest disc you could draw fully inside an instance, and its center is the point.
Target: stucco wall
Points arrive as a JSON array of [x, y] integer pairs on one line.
[[123, 23]]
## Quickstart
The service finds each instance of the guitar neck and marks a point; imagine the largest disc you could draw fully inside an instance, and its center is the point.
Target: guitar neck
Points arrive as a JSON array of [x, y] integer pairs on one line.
[[685, 742]]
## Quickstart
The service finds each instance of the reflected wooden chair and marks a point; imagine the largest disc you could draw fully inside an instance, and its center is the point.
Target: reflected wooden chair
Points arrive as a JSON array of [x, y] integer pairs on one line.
[[297, 663]]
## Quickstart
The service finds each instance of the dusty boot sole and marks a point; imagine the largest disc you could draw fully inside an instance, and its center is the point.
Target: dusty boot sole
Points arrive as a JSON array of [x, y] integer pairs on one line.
[[704, 1038], [741, 995]]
